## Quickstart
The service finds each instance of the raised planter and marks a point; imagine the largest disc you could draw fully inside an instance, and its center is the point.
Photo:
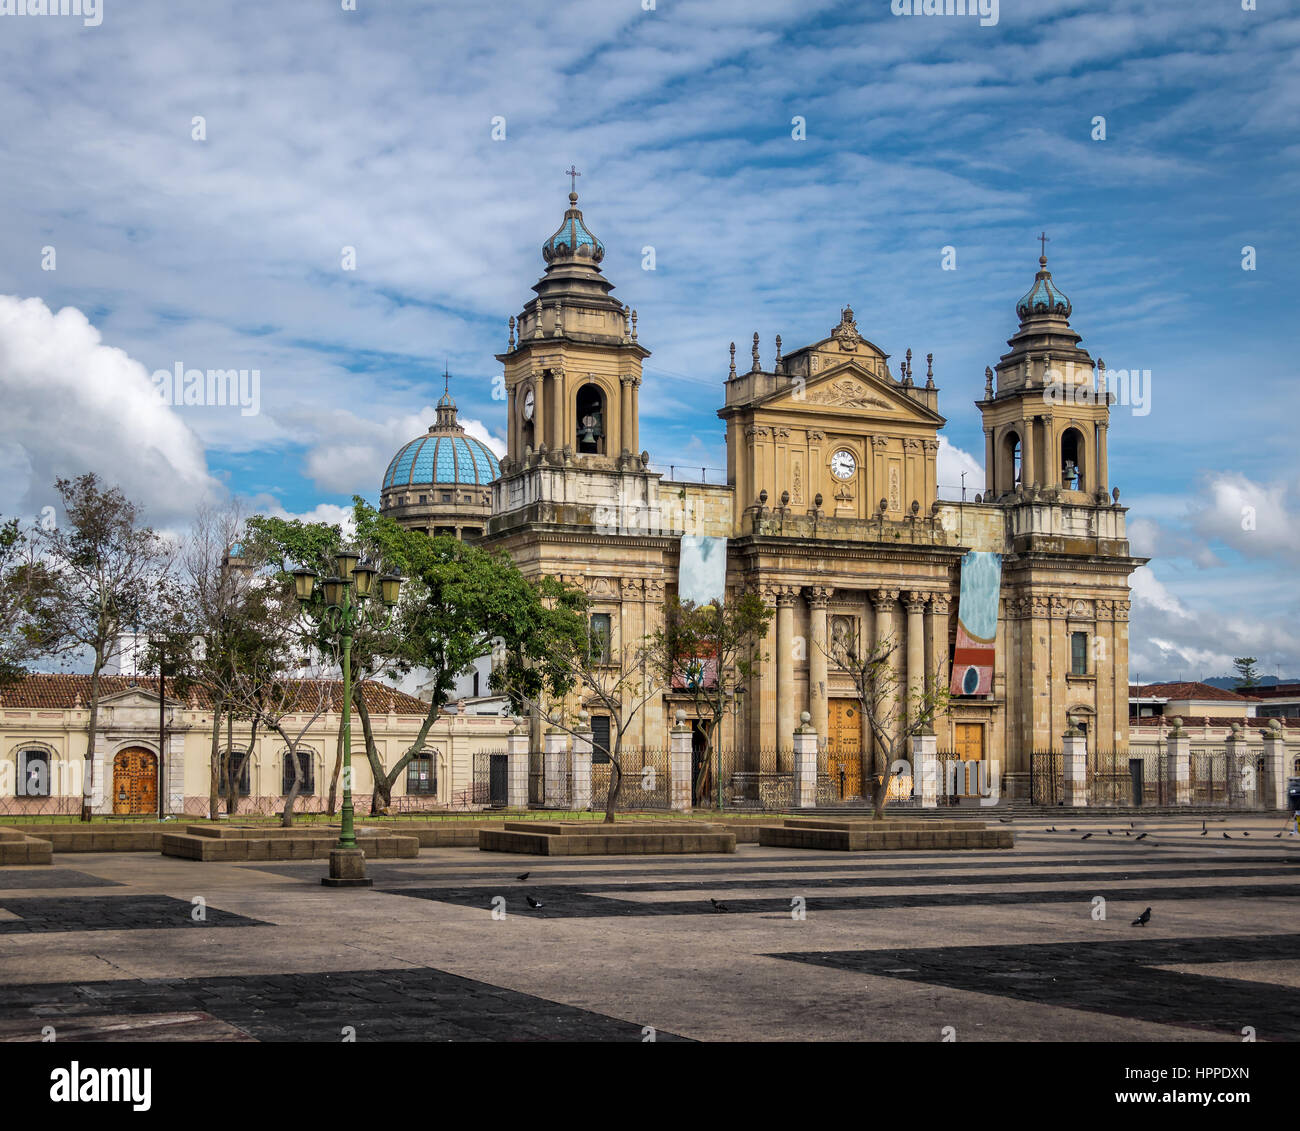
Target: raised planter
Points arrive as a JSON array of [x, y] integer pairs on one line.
[[583, 838], [866, 834], [249, 842], [16, 847]]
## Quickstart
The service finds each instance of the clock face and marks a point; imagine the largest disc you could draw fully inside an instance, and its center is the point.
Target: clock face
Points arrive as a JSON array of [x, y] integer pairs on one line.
[[528, 405], [843, 465]]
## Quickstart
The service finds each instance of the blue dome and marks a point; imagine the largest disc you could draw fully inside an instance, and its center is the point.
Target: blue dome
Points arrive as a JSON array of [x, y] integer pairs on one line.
[[573, 240], [1044, 297], [442, 457]]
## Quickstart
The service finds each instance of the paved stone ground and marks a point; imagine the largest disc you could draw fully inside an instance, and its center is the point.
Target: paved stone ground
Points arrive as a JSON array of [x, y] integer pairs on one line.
[[897, 946]]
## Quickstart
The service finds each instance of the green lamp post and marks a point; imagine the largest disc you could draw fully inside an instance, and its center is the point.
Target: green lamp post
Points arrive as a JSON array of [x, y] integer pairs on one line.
[[340, 605]]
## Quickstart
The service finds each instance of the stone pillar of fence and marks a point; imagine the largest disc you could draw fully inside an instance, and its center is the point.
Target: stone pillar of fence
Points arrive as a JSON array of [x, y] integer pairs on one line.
[[1075, 767], [555, 768], [805, 763], [1274, 792], [580, 765], [1178, 766], [517, 743], [925, 770], [679, 765], [1240, 769]]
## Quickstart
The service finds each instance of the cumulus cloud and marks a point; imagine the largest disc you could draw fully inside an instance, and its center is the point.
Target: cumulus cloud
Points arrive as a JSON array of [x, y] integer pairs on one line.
[[951, 462], [73, 404], [1255, 519]]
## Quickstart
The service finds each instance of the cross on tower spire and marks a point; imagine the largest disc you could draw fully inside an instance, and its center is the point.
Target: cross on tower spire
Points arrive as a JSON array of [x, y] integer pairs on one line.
[[572, 173], [1044, 241]]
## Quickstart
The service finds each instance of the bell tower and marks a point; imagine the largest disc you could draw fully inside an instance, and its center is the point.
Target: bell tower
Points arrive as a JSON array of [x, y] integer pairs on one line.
[[1045, 416], [573, 372]]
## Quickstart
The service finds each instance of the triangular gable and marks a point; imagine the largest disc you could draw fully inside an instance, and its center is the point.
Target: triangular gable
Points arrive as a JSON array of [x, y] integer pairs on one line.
[[848, 388]]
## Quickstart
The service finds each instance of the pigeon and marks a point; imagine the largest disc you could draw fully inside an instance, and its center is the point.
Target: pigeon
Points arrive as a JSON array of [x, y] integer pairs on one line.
[[1277, 836], [1143, 919], [719, 906], [1051, 830], [1074, 830], [1110, 832], [1004, 820], [1085, 836], [1202, 826], [1127, 833], [1226, 836], [523, 875], [532, 902], [1244, 832], [1141, 836], [1205, 832]]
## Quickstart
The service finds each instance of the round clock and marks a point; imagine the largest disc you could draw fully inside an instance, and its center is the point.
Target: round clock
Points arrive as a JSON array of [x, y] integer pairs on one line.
[[843, 464], [528, 405]]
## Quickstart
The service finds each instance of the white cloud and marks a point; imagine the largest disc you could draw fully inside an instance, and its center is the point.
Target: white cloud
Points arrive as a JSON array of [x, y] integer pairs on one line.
[[951, 462], [73, 404]]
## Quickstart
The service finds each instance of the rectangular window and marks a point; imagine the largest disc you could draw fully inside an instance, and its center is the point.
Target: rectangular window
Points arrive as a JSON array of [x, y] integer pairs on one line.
[[420, 775], [1078, 653], [308, 764], [245, 775], [599, 739], [599, 627], [33, 773]]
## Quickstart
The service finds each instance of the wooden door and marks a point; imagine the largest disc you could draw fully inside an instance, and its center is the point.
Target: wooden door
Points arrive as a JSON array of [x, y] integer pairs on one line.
[[844, 747], [135, 782], [968, 740]]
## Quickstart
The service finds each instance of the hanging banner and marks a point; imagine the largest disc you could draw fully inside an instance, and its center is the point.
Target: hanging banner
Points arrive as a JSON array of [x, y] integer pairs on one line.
[[977, 623], [702, 569]]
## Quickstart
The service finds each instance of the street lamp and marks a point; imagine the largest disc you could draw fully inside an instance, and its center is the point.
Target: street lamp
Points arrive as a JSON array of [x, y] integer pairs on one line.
[[340, 606]]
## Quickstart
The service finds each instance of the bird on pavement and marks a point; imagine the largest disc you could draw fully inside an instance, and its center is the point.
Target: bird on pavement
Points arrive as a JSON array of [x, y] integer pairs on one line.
[[523, 875], [1110, 832], [1202, 825], [718, 906], [1226, 836], [1245, 832], [533, 902], [1141, 836], [1004, 820], [1143, 919], [1052, 829], [1205, 832], [1085, 836]]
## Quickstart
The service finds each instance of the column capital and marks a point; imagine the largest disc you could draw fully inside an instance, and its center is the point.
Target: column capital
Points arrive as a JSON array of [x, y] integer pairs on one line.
[[819, 596], [940, 603], [883, 600], [786, 596], [916, 600]]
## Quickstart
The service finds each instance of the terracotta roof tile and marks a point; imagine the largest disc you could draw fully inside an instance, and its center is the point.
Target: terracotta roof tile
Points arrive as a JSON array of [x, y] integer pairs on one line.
[[1187, 690]]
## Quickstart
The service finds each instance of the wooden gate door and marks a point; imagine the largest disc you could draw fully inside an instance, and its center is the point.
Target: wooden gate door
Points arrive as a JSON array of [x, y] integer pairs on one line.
[[969, 742], [844, 747], [135, 782]]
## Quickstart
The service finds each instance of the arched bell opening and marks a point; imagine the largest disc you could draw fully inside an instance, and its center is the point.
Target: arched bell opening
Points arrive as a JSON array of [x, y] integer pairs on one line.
[[591, 420]]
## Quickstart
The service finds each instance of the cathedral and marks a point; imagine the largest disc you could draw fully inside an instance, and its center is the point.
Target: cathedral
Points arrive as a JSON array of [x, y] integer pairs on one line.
[[1017, 602]]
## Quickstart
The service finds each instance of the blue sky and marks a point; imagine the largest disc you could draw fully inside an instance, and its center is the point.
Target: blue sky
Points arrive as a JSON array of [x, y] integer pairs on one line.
[[372, 129]]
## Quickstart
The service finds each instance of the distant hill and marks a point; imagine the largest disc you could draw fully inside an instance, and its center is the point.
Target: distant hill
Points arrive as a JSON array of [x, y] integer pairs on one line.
[[1229, 682]]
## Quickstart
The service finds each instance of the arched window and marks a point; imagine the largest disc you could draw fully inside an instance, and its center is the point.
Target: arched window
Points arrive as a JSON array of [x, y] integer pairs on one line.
[[1011, 449], [245, 773], [33, 773], [307, 760], [1072, 459], [591, 420]]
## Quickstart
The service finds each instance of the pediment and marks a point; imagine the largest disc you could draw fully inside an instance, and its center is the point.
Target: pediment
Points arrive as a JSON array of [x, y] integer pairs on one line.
[[850, 389], [133, 697]]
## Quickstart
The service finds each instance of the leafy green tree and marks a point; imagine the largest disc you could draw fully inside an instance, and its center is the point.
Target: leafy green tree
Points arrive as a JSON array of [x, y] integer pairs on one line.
[[108, 572], [1247, 676], [28, 622]]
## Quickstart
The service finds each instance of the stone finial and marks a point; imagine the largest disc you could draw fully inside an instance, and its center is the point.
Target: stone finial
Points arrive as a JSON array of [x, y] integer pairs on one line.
[[733, 360], [762, 497], [756, 363], [679, 719], [979, 498], [916, 507], [884, 505], [634, 325], [817, 502], [988, 383], [512, 331], [780, 365], [1175, 725], [909, 362], [627, 321], [929, 371], [1115, 495], [1275, 725], [785, 498]]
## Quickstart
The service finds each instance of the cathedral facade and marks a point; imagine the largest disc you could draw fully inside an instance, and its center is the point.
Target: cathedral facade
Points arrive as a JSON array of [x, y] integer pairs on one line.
[[831, 512]]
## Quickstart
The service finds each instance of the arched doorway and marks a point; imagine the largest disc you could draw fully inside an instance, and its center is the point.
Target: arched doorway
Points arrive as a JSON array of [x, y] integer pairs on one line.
[[135, 781]]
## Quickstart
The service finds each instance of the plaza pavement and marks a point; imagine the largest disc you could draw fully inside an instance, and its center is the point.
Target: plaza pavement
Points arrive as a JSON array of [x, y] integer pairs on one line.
[[999, 946]]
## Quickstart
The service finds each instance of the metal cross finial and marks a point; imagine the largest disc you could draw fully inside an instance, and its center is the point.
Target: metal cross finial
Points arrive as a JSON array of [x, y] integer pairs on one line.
[[446, 377], [1044, 241], [572, 173]]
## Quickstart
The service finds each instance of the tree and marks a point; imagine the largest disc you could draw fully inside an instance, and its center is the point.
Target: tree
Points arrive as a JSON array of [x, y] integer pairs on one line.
[[107, 572], [893, 718], [1247, 677], [709, 651], [28, 627], [619, 681]]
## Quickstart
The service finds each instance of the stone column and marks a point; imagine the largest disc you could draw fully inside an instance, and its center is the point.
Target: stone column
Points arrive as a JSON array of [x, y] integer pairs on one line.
[[925, 770], [884, 600], [513, 446], [559, 412], [679, 765], [1274, 785], [1075, 762], [555, 776], [1178, 766], [517, 766], [805, 763], [990, 480], [937, 673], [916, 602], [1103, 473], [176, 773], [763, 702], [539, 404], [1027, 468], [784, 676], [636, 416], [580, 766], [818, 710], [101, 793]]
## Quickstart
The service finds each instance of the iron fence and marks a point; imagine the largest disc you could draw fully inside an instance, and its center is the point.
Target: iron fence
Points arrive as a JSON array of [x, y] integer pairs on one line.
[[647, 783], [490, 782], [746, 778], [1047, 777]]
